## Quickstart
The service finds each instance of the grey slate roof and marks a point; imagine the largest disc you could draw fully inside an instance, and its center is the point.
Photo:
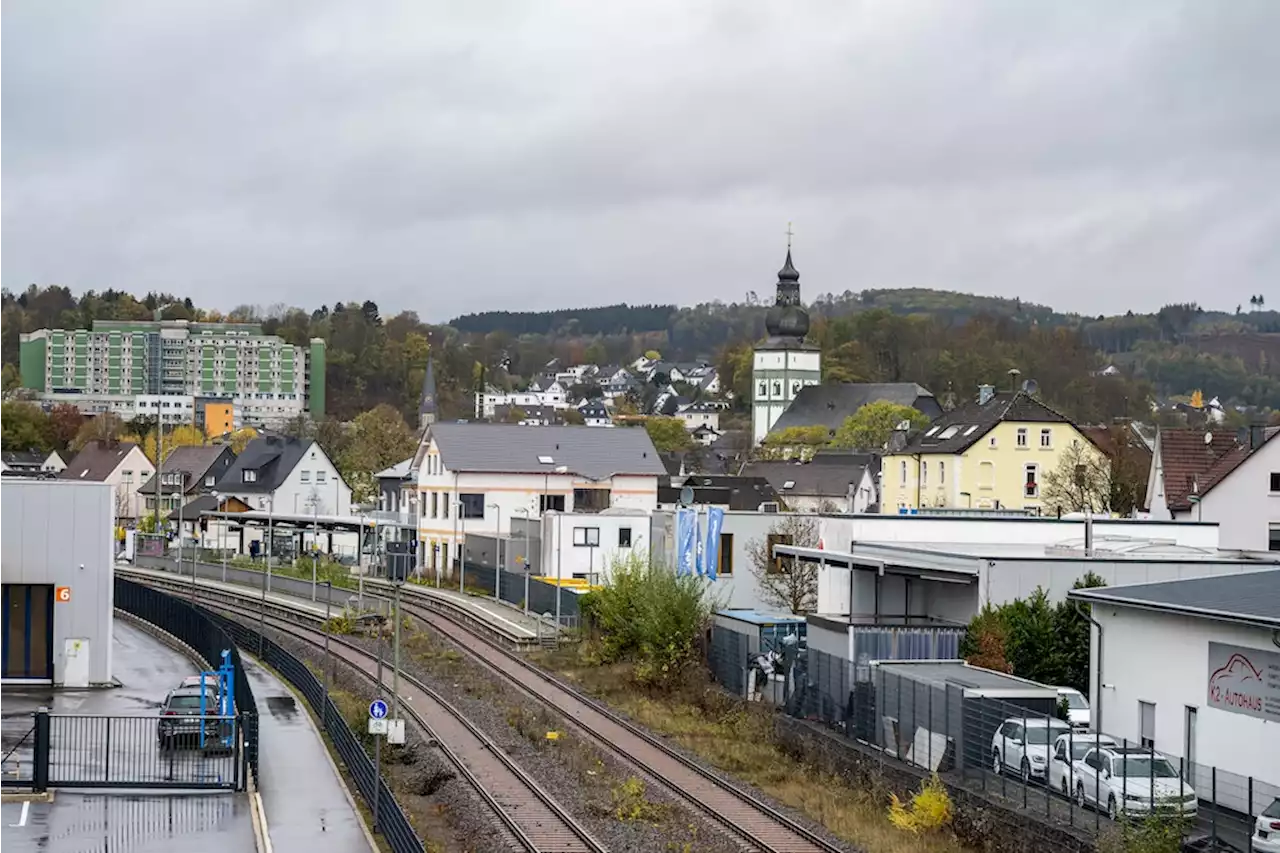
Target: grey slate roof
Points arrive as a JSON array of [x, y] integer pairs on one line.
[[273, 457], [98, 460], [828, 405], [195, 462], [398, 471], [807, 478], [1252, 598], [24, 458], [589, 452], [960, 429]]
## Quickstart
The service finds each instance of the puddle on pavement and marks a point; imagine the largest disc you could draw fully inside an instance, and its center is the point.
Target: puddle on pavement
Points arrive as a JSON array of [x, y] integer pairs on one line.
[[284, 707]]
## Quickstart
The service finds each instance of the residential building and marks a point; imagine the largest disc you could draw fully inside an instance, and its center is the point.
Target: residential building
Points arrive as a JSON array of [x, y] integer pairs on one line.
[[217, 418], [784, 363], [30, 463], [187, 472], [397, 488], [109, 367], [704, 435], [701, 414], [1229, 478], [830, 404], [992, 453], [755, 494], [122, 464], [829, 482], [287, 476], [475, 477], [1190, 668], [594, 413], [584, 546]]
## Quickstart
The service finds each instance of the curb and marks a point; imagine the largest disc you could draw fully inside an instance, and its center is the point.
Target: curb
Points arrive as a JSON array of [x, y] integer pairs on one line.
[[27, 797], [261, 835], [163, 636]]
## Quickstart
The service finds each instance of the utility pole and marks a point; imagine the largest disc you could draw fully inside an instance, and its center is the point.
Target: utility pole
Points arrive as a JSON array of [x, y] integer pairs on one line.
[[497, 548], [395, 653], [527, 525], [328, 601]]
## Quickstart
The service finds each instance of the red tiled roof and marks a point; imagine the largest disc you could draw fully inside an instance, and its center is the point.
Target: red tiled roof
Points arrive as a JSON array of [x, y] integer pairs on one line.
[[1191, 464]]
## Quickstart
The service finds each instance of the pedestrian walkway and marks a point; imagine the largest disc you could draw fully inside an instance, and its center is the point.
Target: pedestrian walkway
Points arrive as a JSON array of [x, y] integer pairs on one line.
[[504, 617], [307, 806]]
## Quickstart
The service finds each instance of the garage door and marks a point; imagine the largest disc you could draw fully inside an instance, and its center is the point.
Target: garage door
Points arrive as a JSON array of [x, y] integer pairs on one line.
[[28, 631]]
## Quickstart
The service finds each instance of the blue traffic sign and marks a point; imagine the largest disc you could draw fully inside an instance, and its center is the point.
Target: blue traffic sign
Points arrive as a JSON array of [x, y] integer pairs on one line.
[[378, 709]]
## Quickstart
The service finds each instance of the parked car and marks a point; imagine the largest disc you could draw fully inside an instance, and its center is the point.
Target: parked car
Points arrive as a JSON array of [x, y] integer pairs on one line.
[[1266, 829], [1068, 749], [1023, 744], [1078, 712], [1131, 780], [180, 719], [210, 681]]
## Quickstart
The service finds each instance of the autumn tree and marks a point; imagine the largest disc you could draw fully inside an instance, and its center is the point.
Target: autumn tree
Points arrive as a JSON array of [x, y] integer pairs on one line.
[[25, 427], [240, 439], [797, 442], [379, 438], [668, 434], [869, 428], [182, 435], [65, 420], [786, 582], [103, 427], [1081, 481]]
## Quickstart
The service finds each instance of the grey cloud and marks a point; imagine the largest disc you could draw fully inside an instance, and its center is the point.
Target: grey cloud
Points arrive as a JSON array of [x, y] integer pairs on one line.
[[456, 157]]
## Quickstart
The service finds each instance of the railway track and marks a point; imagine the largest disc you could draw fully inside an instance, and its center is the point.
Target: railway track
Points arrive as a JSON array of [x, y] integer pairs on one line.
[[754, 822], [531, 816]]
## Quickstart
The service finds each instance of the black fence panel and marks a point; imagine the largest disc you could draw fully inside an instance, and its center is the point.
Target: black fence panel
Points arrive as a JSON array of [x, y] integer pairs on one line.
[[541, 596], [193, 626], [116, 751]]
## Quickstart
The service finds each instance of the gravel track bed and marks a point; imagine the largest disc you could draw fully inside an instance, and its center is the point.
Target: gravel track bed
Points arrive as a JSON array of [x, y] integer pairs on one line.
[[441, 805], [621, 809]]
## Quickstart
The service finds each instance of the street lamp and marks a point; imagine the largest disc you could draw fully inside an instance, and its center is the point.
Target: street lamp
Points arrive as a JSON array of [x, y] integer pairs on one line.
[[497, 547], [266, 586], [461, 546], [527, 525]]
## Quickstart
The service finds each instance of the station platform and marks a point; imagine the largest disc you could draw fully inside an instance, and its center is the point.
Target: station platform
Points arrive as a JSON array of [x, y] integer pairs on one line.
[[318, 816], [505, 619]]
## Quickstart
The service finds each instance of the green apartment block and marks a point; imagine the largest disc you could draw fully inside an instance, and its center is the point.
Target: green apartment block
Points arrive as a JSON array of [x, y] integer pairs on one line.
[[120, 360]]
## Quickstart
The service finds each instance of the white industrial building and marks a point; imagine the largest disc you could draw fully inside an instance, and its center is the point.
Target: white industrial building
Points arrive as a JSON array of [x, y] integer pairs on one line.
[[583, 546], [1192, 668], [58, 582]]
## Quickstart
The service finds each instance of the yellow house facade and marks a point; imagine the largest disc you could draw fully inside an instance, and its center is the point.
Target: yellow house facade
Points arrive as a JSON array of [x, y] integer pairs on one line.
[[994, 453]]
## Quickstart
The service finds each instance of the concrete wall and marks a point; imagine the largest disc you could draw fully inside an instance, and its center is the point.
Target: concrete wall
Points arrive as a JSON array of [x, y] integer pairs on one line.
[[60, 533], [1164, 659]]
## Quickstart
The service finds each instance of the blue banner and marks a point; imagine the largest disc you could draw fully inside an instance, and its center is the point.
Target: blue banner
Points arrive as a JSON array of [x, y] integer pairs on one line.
[[686, 536], [711, 554]]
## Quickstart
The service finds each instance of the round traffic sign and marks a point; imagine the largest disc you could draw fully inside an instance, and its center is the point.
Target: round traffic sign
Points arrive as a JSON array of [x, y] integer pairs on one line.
[[378, 709]]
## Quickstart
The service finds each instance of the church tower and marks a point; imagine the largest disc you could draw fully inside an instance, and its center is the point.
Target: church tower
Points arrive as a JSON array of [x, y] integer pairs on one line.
[[784, 363], [427, 405]]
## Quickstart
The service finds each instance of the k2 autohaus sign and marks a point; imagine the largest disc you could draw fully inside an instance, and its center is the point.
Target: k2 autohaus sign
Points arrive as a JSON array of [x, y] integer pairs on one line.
[[1244, 681]]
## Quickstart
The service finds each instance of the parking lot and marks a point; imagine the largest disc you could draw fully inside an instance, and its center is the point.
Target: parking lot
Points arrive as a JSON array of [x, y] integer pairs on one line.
[[125, 823]]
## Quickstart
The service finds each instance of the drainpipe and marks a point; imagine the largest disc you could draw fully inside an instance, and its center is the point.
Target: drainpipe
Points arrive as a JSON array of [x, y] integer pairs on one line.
[[1096, 711]]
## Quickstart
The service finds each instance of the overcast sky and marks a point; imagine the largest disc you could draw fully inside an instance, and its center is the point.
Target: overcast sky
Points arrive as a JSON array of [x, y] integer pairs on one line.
[[508, 154]]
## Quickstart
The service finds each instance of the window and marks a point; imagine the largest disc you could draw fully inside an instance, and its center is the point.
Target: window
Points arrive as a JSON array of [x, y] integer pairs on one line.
[[1031, 482], [1046, 438], [942, 473], [435, 504], [724, 560], [304, 476], [1273, 541], [1022, 436], [762, 390], [780, 564], [472, 505], [777, 388], [1275, 481], [248, 476], [902, 472], [586, 537], [320, 476], [986, 475], [1147, 724], [1189, 746], [924, 474], [209, 480], [992, 443], [624, 537], [591, 500], [551, 502]]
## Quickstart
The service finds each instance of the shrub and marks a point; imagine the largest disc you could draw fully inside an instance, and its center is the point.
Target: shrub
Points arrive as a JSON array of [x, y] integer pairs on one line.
[[929, 811], [649, 615]]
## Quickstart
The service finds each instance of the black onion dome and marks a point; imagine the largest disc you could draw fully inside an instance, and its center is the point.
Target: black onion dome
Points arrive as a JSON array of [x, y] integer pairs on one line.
[[788, 271], [794, 322], [787, 318]]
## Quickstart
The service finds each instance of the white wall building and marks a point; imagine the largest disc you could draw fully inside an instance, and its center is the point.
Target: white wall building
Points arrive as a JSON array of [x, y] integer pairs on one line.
[[120, 464], [1245, 502], [474, 478], [57, 536], [1191, 668], [585, 545], [288, 476]]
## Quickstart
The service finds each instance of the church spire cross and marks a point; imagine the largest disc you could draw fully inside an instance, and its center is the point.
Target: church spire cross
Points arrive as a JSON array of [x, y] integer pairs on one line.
[[789, 234]]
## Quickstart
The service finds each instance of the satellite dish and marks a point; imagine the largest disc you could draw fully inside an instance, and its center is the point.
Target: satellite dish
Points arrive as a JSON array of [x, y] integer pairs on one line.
[[1031, 387], [1208, 438], [686, 496]]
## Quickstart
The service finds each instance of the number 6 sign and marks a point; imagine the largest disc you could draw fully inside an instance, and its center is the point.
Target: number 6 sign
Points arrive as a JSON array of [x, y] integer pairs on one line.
[[62, 594]]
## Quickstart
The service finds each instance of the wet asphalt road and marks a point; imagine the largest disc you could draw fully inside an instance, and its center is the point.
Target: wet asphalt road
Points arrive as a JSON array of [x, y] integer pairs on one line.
[[121, 821], [290, 750]]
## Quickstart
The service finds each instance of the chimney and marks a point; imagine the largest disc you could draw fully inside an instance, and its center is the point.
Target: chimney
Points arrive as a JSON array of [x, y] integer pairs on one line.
[[985, 393], [1257, 435]]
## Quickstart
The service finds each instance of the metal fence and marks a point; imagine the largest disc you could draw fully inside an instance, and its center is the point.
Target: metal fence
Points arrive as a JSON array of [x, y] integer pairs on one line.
[[392, 822], [1008, 751], [541, 596], [99, 751], [193, 626]]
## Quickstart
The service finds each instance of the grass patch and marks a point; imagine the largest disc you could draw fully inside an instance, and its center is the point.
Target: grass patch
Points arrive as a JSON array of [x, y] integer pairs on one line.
[[738, 737]]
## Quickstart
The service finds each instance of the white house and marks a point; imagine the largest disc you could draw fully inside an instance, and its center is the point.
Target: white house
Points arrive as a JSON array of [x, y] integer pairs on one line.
[[1191, 668], [697, 415], [584, 546], [120, 463], [475, 477], [31, 463], [288, 476], [1242, 494]]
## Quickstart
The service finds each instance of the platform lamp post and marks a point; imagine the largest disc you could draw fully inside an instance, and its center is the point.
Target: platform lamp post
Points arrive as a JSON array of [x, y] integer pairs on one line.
[[328, 602], [527, 524], [222, 533], [461, 546], [266, 586], [397, 582], [497, 549]]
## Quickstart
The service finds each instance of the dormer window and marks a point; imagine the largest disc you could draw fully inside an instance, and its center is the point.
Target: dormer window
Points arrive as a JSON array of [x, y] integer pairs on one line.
[[249, 476]]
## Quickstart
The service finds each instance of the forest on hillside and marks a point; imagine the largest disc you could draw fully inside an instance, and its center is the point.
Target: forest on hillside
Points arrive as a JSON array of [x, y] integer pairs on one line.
[[948, 342]]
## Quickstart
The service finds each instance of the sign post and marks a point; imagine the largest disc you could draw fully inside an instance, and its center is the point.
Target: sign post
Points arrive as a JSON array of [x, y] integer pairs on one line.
[[377, 728]]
